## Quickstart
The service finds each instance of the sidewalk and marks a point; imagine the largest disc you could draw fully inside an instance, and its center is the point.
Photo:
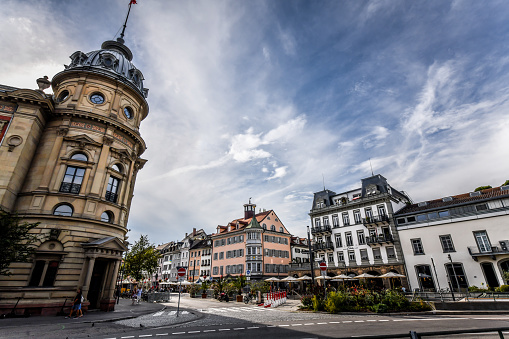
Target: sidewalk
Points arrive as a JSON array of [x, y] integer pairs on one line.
[[123, 310]]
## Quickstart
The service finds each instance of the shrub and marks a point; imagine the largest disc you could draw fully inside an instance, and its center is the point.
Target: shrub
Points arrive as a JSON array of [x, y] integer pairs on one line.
[[504, 288], [318, 304], [480, 188], [339, 302], [378, 308], [306, 302], [395, 301], [476, 289], [419, 306]]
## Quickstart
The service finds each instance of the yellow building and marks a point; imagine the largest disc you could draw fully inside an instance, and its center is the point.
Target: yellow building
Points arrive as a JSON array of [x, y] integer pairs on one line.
[[70, 161]]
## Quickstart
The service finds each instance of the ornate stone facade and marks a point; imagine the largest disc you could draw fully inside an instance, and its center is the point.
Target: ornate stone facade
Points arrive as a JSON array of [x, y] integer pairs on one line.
[[70, 161]]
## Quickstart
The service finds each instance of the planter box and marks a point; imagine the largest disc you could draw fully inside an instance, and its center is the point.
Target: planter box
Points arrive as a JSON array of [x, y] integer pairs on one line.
[[240, 298], [204, 295]]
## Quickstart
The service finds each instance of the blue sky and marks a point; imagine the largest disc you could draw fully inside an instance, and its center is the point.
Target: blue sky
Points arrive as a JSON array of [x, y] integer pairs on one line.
[[263, 99]]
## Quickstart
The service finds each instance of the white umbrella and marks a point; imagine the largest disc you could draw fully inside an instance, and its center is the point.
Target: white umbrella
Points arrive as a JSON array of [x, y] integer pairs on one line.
[[322, 277], [272, 279], [341, 276], [304, 277], [392, 275], [289, 279], [366, 275], [186, 283]]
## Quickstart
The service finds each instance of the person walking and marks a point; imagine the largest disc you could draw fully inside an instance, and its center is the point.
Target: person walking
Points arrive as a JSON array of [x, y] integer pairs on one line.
[[76, 305], [138, 295], [134, 295]]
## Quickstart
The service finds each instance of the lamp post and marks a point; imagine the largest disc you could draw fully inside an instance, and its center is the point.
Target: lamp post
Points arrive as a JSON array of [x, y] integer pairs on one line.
[[455, 276], [311, 259]]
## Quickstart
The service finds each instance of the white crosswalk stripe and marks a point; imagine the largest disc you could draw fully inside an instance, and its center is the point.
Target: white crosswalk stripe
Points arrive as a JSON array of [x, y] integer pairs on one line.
[[162, 313], [233, 309]]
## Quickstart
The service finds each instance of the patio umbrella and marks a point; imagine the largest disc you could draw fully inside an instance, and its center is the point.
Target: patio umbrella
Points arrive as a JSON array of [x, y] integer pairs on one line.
[[271, 280], [186, 283], [304, 277], [391, 275], [289, 279], [342, 277], [366, 275]]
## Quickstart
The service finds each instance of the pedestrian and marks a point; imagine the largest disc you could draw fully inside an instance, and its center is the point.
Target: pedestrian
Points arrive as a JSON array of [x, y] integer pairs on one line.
[[138, 295], [134, 295], [76, 305]]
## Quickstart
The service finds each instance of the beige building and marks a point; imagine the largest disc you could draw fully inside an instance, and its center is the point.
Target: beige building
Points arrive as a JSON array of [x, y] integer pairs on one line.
[[69, 161]]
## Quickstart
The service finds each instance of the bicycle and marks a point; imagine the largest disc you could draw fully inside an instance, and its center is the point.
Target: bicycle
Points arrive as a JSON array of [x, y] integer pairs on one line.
[[248, 298]]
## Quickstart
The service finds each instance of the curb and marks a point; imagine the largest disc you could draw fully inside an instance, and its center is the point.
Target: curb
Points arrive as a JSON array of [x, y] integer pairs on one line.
[[124, 317]]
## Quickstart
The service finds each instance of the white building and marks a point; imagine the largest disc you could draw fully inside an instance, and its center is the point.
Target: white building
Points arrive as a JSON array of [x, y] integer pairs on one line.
[[354, 231], [300, 250], [456, 241]]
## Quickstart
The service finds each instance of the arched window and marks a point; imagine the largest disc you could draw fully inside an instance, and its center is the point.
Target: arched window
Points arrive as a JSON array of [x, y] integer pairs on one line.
[[64, 210], [264, 226], [272, 228], [281, 229], [112, 189], [117, 168], [107, 216], [79, 156]]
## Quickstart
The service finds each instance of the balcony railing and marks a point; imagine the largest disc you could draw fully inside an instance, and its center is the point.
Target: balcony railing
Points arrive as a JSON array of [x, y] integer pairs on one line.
[[322, 246], [321, 229], [68, 187], [377, 220], [384, 238], [475, 252], [110, 196]]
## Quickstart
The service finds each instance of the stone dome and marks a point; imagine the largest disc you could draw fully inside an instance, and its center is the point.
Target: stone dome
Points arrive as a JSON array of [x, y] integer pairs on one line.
[[113, 60]]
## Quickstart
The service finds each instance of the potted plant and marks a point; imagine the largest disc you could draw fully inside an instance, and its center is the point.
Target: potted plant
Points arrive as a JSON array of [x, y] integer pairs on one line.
[[193, 289], [239, 284], [204, 287]]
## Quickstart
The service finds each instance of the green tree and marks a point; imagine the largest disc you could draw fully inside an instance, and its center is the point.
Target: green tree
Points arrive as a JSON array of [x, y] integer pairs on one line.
[[480, 188], [239, 283], [505, 183], [141, 259], [15, 240]]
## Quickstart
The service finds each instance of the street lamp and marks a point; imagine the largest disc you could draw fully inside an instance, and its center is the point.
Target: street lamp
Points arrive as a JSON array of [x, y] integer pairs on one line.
[[311, 259]]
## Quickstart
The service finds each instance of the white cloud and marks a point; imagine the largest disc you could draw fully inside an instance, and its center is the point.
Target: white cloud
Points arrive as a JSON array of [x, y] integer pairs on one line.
[[278, 173]]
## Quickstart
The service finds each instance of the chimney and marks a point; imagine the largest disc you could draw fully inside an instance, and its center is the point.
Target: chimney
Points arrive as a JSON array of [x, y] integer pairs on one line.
[[194, 231], [186, 235]]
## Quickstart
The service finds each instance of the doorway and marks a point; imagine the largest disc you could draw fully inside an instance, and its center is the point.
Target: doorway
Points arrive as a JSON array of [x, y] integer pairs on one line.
[[490, 275], [97, 283]]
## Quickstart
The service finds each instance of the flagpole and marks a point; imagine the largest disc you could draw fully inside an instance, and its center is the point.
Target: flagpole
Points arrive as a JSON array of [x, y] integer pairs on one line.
[[127, 17]]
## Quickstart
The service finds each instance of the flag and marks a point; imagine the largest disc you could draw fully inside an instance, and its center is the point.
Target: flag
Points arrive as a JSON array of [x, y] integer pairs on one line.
[[133, 2]]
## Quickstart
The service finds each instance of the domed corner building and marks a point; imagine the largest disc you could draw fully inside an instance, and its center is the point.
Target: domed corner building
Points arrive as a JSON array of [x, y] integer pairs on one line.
[[69, 161]]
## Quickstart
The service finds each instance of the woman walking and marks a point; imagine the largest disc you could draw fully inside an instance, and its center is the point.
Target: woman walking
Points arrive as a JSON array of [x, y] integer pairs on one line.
[[76, 305]]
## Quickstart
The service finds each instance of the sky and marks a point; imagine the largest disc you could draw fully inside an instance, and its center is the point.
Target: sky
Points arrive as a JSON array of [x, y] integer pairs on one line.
[[272, 100]]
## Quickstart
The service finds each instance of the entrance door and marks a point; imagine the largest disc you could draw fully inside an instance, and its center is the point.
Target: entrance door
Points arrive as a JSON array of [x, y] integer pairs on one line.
[[425, 277], [489, 274], [97, 283]]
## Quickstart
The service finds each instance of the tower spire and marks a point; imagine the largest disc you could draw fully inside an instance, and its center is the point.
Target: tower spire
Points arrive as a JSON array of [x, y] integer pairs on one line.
[[121, 39]]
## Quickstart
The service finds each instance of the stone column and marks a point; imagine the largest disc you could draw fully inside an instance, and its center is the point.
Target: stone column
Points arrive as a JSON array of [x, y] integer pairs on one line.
[[101, 167], [113, 282], [53, 158], [88, 277]]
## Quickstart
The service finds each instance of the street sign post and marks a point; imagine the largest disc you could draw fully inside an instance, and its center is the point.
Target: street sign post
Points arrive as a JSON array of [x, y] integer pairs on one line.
[[323, 268], [181, 272]]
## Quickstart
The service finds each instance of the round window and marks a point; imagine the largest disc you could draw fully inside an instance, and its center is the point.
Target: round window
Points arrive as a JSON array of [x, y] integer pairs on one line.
[[63, 96], [108, 62], [107, 217], [97, 98], [128, 112]]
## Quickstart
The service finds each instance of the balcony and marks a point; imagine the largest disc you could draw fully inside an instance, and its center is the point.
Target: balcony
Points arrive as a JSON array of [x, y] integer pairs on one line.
[[110, 196], [475, 252], [378, 240], [377, 220], [321, 229], [323, 246]]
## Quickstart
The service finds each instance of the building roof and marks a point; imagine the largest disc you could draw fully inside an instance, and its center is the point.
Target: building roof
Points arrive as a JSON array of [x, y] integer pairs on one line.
[[242, 223], [460, 199]]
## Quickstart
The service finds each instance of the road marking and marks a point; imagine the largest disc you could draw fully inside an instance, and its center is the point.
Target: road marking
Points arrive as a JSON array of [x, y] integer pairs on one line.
[[334, 322], [253, 327], [371, 320], [145, 335], [347, 321], [321, 323], [284, 325], [297, 325], [224, 329], [309, 324], [238, 328], [491, 318], [271, 326], [383, 320], [179, 333], [205, 331], [131, 336], [192, 332], [359, 321], [162, 334], [172, 312], [157, 314]]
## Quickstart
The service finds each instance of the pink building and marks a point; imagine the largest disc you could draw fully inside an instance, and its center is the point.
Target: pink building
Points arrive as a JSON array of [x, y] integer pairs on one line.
[[257, 243]]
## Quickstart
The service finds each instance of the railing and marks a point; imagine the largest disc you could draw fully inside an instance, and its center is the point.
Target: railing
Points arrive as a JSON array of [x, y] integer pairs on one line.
[[68, 187], [493, 250], [110, 196], [320, 229], [379, 239], [323, 246], [417, 335], [377, 219]]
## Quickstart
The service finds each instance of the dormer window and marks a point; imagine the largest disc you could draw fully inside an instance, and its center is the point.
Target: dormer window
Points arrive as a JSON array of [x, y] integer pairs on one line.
[[109, 61]]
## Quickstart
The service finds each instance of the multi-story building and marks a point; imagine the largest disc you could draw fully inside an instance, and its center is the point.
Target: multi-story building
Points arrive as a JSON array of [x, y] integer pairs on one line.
[[163, 263], [300, 251], [456, 241], [69, 161], [259, 243], [174, 257], [354, 232], [199, 259]]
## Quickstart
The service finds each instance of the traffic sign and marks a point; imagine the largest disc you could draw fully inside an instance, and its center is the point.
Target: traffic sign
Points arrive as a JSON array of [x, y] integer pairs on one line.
[[248, 272], [181, 272], [323, 266]]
